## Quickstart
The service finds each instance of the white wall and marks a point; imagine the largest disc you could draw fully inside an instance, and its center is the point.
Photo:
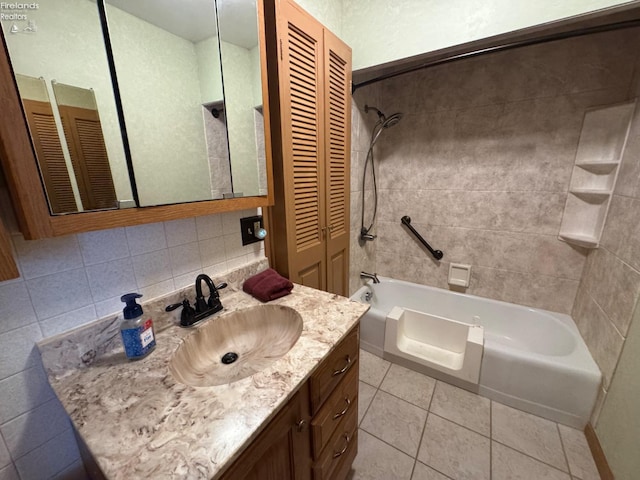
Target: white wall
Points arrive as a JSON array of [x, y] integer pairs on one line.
[[381, 31], [209, 73], [327, 12]]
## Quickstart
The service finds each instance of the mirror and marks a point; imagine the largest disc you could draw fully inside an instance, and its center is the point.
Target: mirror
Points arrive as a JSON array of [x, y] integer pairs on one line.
[[50, 44], [55, 166], [240, 56], [190, 118], [80, 120], [168, 68]]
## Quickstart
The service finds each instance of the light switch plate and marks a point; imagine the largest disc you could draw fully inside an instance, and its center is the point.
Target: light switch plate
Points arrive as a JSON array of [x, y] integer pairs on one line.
[[247, 228]]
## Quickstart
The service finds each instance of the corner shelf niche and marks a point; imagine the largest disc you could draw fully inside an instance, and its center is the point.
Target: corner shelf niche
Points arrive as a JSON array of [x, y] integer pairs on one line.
[[602, 140]]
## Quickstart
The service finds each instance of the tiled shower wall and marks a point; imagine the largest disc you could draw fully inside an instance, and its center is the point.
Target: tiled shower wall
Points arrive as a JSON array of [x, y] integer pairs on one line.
[[481, 162], [69, 281], [610, 286]]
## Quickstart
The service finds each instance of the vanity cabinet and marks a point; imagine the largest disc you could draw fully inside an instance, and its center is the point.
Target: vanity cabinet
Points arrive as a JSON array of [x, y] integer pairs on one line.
[[281, 452], [310, 220], [314, 436]]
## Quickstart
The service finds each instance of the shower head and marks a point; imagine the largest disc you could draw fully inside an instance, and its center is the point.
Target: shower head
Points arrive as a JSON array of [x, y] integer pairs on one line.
[[385, 122], [392, 120]]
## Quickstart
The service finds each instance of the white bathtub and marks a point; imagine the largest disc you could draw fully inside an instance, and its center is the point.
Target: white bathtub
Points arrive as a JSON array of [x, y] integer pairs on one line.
[[533, 360]]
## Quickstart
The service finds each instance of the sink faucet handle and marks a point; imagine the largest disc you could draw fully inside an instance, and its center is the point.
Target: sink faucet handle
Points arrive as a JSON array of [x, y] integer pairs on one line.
[[188, 312]]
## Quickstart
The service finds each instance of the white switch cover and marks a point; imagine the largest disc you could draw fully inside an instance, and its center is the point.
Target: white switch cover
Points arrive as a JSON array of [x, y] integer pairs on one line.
[[459, 274]]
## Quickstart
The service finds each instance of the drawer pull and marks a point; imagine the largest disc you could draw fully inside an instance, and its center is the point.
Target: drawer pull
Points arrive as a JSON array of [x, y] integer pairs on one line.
[[340, 414], [301, 424], [343, 369], [346, 445]]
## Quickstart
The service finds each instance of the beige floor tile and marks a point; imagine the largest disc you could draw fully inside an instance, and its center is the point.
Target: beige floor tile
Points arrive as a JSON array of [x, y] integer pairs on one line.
[[395, 421], [372, 368], [462, 407], [528, 434], [378, 461], [422, 472], [409, 385], [365, 395], [508, 464], [581, 462], [455, 450]]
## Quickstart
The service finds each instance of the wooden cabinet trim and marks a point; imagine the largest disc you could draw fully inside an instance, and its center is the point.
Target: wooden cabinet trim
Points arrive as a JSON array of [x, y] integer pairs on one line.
[[8, 268]]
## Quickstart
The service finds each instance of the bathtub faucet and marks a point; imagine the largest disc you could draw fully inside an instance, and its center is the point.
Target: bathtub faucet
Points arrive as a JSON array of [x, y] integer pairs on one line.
[[372, 276]]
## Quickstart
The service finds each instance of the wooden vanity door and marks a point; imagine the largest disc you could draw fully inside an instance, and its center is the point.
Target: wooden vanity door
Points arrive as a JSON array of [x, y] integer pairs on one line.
[[283, 450]]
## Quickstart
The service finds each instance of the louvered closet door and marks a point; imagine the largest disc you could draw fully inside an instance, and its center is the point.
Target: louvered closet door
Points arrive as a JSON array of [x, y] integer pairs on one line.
[[303, 144], [50, 157], [337, 109], [89, 157]]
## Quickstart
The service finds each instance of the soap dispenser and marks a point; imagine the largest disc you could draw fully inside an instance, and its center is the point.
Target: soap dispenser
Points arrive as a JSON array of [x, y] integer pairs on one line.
[[137, 332]]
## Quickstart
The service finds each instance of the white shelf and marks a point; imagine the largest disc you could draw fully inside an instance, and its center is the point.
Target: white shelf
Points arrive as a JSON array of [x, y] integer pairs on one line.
[[591, 195], [579, 239], [602, 141], [598, 168]]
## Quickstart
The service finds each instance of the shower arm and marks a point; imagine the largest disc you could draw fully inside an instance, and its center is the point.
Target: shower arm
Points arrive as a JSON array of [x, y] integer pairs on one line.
[[437, 254]]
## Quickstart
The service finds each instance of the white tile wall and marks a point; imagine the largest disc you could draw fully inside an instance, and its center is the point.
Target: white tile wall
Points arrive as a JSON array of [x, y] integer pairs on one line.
[[50, 458], [69, 281]]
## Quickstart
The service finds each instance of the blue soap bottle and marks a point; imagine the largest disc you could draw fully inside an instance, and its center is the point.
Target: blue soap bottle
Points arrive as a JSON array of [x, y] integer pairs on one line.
[[137, 332]]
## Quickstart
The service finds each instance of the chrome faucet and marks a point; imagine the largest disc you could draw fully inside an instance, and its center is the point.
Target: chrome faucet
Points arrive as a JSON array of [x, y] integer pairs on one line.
[[365, 236], [372, 276], [191, 316]]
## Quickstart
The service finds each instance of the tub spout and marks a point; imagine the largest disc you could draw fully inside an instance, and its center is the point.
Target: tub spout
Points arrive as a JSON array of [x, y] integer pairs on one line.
[[372, 276]]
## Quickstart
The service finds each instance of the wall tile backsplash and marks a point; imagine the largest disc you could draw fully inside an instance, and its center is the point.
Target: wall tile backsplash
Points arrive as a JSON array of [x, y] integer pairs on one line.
[[70, 281]]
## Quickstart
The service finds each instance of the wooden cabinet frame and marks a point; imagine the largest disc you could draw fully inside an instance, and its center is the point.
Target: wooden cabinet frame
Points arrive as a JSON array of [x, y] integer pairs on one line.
[[19, 164]]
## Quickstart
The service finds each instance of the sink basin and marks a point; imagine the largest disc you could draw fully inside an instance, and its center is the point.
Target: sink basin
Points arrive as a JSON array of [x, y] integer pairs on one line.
[[236, 345]]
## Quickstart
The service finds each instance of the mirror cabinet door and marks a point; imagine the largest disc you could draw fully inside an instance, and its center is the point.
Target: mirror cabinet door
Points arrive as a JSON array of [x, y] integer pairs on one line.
[[240, 54], [167, 66], [62, 42], [182, 134]]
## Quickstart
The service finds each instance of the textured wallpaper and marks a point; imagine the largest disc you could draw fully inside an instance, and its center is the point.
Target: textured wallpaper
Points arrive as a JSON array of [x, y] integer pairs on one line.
[[239, 103], [380, 31]]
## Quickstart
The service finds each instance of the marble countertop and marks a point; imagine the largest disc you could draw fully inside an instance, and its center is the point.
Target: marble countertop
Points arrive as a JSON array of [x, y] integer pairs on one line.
[[138, 422]]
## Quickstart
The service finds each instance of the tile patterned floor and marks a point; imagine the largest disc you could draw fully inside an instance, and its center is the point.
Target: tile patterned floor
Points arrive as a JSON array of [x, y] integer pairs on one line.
[[413, 427]]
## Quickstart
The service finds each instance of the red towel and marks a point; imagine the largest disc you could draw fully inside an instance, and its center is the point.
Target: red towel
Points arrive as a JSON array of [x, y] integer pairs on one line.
[[267, 285]]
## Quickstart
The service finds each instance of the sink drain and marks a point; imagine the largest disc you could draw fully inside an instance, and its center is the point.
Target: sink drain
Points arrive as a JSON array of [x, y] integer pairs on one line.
[[229, 357]]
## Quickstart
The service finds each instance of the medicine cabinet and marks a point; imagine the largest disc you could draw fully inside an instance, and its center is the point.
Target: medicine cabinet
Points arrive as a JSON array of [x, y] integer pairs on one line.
[[23, 174]]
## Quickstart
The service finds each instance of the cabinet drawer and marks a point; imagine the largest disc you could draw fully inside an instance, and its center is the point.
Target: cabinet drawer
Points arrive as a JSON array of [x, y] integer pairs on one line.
[[334, 411], [334, 369], [341, 448]]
